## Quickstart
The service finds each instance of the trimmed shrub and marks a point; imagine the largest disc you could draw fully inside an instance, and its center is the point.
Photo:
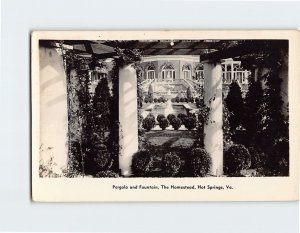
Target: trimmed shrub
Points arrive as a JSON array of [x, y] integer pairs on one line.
[[177, 99], [160, 117], [163, 123], [148, 123], [162, 99], [176, 123], [141, 163], [182, 116], [258, 157], [107, 174], [171, 164], [173, 100], [155, 100], [170, 117], [182, 99], [102, 159], [200, 162], [186, 100], [236, 158], [150, 115], [192, 99], [190, 123], [146, 99]]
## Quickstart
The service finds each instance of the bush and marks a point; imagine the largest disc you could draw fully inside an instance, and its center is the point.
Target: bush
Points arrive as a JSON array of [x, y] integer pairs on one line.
[[146, 99], [182, 99], [160, 117], [107, 174], [162, 99], [141, 163], [102, 158], [148, 123], [163, 123], [182, 116], [186, 100], [192, 99], [200, 162], [236, 158], [150, 115], [258, 157], [278, 161], [177, 99], [170, 117], [155, 100], [190, 123], [171, 164], [176, 123], [173, 100]]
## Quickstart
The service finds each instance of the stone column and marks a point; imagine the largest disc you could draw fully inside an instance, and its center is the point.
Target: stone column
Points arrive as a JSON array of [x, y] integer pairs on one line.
[[213, 139], [128, 117], [53, 109]]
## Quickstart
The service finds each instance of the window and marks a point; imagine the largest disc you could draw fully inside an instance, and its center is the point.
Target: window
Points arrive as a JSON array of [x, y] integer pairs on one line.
[[199, 74], [186, 72], [168, 72], [151, 72]]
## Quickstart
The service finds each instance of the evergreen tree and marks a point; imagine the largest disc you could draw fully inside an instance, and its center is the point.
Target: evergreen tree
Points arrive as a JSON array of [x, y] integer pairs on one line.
[[235, 105], [251, 120], [150, 93], [101, 107], [189, 93]]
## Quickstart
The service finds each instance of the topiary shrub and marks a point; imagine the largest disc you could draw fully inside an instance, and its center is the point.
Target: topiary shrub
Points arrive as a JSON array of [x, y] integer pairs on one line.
[[148, 123], [146, 99], [182, 116], [163, 123], [141, 163], [177, 99], [170, 117], [186, 100], [181, 99], [236, 158], [150, 115], [160, 117], [258, 157], [107, 174], [190, 123], [176, 123], [200, 162], [171, 164], [162, 99], [192, 99], [102, 159]]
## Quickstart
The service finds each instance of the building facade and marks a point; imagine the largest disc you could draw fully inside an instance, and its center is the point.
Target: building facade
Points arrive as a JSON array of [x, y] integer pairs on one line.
[[171, 76]]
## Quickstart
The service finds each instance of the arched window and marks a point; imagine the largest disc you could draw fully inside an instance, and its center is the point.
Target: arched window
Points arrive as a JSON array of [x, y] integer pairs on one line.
[[151, 72], [168, 72], [199, 74], [186, 72]]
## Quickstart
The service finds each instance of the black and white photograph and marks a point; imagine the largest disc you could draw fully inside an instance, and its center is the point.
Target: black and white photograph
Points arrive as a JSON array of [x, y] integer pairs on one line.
[[165, 108], [162, 108]]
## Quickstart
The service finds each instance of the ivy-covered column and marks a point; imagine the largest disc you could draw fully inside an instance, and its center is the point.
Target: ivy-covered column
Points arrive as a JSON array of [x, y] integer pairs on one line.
[[213, 132], [128, 117]]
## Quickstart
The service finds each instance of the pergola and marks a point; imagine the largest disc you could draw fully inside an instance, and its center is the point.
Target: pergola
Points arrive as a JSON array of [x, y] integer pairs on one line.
[[128, 116], [211, 53]]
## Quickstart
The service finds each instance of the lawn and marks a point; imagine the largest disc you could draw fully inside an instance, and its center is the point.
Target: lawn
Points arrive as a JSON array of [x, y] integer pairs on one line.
[[170, 138]]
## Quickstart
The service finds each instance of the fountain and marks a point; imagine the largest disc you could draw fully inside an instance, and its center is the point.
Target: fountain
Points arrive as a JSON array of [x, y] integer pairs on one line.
[[169, 108]]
